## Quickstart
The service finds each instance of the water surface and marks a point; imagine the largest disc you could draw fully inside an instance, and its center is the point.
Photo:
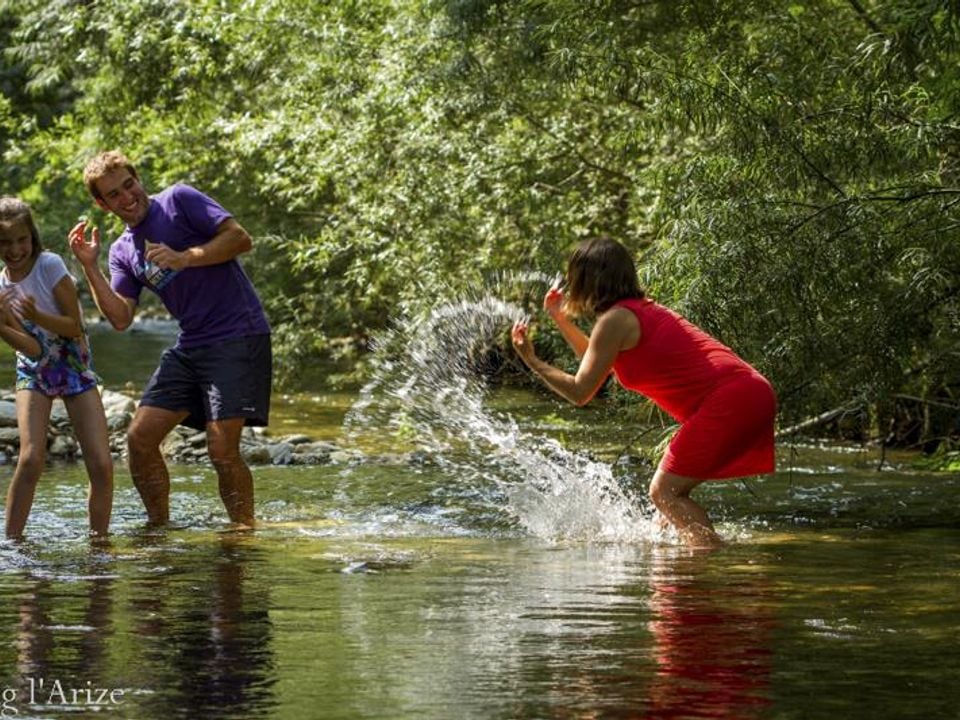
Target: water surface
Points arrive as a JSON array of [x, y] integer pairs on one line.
[[484, 554], [376, 591]]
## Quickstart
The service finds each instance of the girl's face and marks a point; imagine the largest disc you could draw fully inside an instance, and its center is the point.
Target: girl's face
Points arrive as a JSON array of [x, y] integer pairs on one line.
[[16, 248]]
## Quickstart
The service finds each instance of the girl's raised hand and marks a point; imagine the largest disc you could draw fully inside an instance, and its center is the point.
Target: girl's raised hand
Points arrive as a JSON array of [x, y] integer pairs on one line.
[[26, 308]]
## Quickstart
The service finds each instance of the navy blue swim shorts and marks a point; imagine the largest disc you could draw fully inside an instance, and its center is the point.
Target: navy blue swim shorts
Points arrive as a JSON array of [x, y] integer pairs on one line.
[[230, 379]]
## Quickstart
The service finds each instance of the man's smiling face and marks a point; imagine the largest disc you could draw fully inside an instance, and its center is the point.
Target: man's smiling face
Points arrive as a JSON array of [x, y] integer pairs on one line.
[[122, 194]]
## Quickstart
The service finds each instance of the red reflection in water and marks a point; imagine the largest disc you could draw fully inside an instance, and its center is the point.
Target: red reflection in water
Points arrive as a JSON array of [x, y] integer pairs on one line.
[[712, 649]]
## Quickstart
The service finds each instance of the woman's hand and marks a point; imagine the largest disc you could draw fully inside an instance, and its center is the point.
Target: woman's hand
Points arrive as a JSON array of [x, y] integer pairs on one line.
[[553, 300], [522, 343]]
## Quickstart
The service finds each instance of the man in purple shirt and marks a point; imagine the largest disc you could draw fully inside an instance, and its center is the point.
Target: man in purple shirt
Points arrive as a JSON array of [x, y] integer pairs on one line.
[[182, 245]]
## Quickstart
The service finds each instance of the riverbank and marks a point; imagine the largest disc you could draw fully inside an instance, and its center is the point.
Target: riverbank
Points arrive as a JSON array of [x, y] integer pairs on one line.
[[183, 445]]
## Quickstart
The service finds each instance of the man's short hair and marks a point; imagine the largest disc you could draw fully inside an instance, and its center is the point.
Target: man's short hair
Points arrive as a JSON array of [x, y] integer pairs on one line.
[[102, 164]]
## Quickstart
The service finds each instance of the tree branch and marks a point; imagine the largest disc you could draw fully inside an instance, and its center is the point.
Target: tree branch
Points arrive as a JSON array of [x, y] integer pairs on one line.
[[865, 16], [820, 419]]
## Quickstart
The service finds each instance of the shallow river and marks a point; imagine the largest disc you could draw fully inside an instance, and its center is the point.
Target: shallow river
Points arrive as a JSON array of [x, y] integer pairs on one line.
[[438, 585]]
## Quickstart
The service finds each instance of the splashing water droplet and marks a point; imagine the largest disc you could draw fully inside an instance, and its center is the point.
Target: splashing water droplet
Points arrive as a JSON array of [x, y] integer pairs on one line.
[[428, 387]]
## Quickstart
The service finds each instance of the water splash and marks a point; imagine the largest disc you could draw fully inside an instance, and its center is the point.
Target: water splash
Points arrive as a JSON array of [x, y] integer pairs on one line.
[[428, 389]]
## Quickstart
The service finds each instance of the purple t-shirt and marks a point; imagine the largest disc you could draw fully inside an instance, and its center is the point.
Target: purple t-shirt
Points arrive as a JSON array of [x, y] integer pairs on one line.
[[212, 303]]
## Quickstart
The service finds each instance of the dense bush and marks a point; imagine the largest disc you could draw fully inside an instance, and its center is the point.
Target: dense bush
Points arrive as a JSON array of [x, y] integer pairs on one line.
[[786, 173]]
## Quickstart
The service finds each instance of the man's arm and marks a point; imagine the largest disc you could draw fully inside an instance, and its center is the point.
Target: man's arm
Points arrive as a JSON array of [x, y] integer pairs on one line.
[[229, 241], [116, 308]]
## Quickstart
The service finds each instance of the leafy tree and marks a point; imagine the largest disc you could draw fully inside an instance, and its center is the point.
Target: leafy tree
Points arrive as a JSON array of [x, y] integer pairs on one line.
[[786, 172], [802, 160]]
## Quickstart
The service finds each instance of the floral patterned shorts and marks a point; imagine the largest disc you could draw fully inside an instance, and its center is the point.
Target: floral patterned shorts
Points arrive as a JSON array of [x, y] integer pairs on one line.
[[64, 368]]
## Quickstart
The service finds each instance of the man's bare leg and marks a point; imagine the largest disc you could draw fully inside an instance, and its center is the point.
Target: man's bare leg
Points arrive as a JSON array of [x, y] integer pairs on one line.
[[149, 472], [236, 481]]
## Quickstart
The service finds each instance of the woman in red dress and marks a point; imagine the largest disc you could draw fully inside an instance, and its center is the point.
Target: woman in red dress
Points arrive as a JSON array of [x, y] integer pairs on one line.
[[725, 408]]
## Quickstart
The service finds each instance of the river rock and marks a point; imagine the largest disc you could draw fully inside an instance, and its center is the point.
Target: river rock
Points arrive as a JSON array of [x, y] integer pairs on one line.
[[256, 454], [8, 413], [115, 403], [182, 445], [281, 453], [58, 415], [63, 446], [346, 457], [118, 422]]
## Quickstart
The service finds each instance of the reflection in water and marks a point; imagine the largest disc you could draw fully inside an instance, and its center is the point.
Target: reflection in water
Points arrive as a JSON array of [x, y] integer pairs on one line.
[[207, 648], [61, 640], [712, 643], [189, 635], [80, 647], [612, 631], [517, 631]]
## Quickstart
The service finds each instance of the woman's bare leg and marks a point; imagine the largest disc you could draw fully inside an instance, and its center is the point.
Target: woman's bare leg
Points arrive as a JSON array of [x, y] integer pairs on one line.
[[671, 494]]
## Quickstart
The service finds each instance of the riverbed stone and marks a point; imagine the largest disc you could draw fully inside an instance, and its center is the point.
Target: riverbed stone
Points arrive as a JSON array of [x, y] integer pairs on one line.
[[58, 415], [8, 413], [256, 454], [195, 440], [281, 453], [119, 422], [346, 457], [115, 402], [183, 445], [63, 446]]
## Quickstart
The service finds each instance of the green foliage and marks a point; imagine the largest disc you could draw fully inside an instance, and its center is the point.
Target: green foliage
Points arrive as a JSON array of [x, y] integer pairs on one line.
[[788, 173], [803, 173]]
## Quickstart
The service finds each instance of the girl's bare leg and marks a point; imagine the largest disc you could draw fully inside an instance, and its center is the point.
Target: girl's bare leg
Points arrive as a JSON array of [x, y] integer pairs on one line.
[[90, 426], [671, 494], [33, 420]]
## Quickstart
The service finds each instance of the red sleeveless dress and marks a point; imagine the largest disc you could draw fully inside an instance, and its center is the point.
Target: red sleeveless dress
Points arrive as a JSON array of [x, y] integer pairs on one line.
[[725, 408]]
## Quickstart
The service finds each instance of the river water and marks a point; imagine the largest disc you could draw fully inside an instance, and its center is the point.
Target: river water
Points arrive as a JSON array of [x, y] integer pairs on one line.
[[489, 556]]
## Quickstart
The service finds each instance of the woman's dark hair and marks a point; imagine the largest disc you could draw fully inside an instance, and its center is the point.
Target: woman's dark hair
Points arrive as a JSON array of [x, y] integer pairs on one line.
[[16, 210], [600, 272]]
